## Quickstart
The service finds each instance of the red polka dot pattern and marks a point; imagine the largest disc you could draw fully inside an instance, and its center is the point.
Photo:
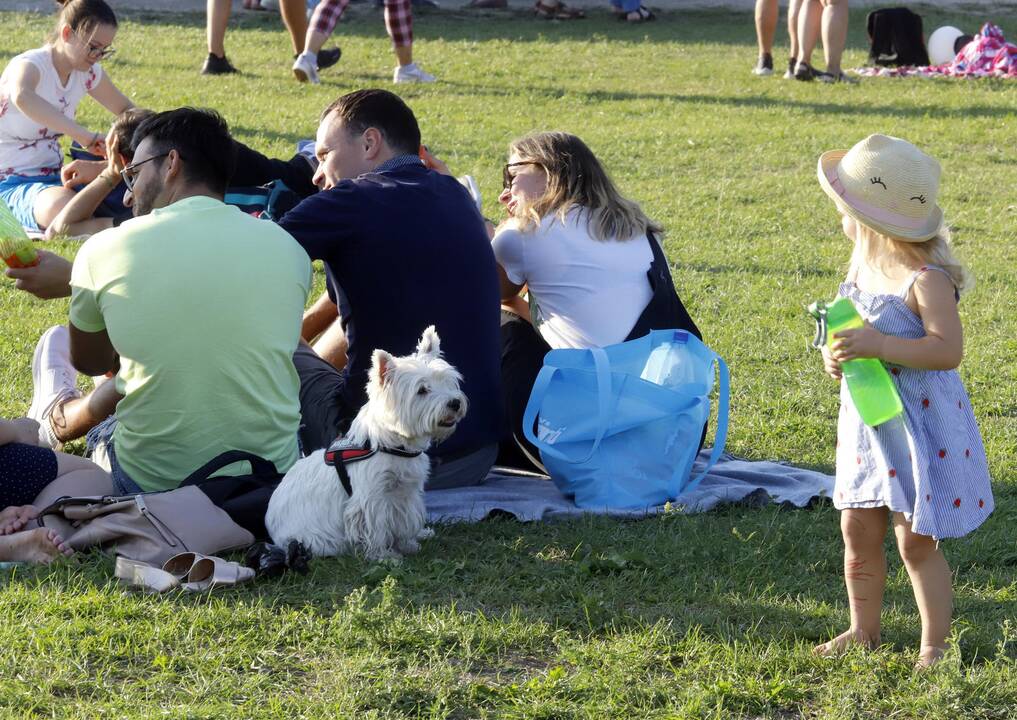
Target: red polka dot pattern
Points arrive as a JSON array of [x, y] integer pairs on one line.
[[925, 402], [957, 503], [942, 454], [981, 503], [895, 371], [893, 473]]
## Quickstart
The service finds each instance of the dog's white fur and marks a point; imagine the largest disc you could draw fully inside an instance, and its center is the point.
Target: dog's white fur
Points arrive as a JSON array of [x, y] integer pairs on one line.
[[412, 402]]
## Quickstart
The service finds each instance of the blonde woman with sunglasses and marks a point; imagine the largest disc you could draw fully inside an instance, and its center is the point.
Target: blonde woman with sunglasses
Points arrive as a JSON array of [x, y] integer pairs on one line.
[[39, 95], [589, 258]]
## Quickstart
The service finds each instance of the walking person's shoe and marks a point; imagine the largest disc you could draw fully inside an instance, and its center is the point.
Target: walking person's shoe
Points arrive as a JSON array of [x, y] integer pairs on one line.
[[54, 381], [764, 66], [831, 78], [328, 57], [790, 73], [804, 72], [305, 69], [215, 65], [411, 74]]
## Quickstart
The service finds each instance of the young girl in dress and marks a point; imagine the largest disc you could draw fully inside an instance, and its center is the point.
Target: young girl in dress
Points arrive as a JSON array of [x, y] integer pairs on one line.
[[924, 471], [39, 95]]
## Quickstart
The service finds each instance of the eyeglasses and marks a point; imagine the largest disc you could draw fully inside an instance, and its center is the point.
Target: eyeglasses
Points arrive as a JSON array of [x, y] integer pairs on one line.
[[95, 51], [507, 177], [130, 173]]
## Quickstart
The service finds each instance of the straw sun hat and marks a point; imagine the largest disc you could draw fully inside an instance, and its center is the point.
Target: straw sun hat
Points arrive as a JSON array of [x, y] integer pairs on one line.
[[887, 184]]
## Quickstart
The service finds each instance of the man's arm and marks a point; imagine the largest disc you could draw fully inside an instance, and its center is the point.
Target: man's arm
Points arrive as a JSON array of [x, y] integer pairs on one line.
[[51, 278], [92, 353]]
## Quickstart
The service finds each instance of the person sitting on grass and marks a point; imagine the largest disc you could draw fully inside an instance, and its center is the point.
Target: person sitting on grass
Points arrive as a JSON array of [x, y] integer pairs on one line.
[[193, 305], [404, 248], [39, 95], [25, 470], [590, 259]]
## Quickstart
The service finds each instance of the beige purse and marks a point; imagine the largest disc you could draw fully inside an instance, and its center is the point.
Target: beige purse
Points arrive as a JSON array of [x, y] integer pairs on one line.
[[151, 528]]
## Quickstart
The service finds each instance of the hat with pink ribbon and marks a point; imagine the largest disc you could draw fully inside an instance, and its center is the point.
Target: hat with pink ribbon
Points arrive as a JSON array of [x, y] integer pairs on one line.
[[887, 184]]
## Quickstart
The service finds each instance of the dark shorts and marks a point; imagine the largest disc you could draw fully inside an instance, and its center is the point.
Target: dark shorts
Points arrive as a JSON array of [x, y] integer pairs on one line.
[[323, 410], [24, 471]]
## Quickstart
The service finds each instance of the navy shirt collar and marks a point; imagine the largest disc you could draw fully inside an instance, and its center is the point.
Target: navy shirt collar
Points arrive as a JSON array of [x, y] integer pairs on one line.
[[397, 162]]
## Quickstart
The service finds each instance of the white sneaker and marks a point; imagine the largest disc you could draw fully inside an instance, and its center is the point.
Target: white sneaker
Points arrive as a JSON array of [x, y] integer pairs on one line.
[[305, 69], [470, 184], [54, 381], [411, 74]]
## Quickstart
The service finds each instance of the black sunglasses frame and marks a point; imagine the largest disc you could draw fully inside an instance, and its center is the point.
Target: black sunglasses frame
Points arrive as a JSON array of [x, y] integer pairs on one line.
[[128, 173], [507, 177]]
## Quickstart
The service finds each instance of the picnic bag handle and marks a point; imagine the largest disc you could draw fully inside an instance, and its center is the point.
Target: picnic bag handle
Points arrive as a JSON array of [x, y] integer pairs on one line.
[[720, 436], [540, 386], [261, 468]]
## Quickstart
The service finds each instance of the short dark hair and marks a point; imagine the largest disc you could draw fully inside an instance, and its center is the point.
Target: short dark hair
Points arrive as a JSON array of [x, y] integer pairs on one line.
[[382, 110], [200, 136], [123, 128]]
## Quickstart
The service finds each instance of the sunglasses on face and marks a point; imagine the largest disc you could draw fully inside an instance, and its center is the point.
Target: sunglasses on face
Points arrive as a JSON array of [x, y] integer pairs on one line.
[[95, 51], [507, 177], [130, 173]]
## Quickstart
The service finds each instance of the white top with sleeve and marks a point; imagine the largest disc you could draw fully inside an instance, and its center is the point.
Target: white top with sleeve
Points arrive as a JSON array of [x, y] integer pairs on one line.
[[586, 292], [26, 147]]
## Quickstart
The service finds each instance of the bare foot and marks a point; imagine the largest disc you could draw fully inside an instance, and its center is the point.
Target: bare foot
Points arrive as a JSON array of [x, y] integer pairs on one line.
[[15, 517], [843, 642], [929, 655], [35, 546]]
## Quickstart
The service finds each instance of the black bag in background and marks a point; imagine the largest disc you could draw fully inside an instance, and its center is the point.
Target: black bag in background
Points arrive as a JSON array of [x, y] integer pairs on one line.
[[896, 37]]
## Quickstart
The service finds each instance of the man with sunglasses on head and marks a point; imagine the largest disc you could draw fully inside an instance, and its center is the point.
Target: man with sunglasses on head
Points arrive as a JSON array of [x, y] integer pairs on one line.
[[404, 247], [193, 305]]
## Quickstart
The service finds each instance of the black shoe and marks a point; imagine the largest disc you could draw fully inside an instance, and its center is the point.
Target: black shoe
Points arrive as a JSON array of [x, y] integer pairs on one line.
[[215, 65], [328, 58], [804, 72], [790, 74], [764, 66]]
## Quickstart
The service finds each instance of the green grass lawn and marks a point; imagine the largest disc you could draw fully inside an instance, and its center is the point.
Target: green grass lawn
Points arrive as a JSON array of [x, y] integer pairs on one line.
[[702, 616]]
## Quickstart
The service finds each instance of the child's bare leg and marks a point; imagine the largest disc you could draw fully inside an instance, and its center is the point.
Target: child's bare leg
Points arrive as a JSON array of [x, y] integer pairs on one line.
[[932, 582], [864, 530]]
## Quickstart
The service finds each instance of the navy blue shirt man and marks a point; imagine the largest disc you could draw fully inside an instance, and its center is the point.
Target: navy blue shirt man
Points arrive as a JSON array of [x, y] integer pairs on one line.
[[404, 248]]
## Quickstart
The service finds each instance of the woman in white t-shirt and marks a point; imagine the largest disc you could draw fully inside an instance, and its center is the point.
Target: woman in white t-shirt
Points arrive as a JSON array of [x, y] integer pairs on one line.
[[583, 252], [39, 95]]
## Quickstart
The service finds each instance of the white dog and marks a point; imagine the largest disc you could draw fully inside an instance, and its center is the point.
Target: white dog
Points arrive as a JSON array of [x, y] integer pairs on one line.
[[412, 402]]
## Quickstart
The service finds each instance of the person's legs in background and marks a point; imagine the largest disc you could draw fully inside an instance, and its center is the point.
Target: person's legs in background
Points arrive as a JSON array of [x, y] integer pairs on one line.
[[834, 32], [322, 23], [793, 11], [810, 16], [217, 17], [766, 28], [399, 24]]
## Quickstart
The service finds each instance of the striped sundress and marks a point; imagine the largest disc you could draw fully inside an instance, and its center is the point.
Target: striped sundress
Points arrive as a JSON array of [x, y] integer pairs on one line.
[[928, 463]]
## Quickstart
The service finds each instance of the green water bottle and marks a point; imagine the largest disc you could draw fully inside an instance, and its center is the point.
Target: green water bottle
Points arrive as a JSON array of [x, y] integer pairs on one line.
[[870, 385]]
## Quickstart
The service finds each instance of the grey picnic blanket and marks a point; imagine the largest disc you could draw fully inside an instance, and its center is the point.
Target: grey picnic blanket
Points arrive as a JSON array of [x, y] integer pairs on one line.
[[531, 497]]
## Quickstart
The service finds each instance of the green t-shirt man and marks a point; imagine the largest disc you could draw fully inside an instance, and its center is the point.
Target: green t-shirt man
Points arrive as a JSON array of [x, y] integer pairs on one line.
[[203, 304]]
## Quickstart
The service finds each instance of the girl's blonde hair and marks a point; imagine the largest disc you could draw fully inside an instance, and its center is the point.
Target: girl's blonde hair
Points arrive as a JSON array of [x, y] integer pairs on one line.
[[878, 251], [576, 177]]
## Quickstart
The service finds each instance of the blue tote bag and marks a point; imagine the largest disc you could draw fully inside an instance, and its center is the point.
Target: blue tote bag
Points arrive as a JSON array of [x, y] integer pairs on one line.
[[620, 426]]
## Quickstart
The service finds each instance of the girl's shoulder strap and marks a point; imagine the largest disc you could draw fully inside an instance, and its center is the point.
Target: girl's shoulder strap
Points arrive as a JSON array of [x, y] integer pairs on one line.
[[918, 273]]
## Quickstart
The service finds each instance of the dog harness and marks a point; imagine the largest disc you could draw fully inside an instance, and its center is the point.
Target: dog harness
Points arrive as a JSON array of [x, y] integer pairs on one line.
[[343, 451]]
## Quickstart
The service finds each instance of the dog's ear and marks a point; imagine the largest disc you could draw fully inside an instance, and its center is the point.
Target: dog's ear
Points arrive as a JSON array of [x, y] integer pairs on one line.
[[381, 363], [430, 343]]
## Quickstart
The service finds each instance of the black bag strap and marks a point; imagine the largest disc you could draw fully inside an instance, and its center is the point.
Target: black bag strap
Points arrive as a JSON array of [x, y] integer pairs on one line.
[[665, 309], [261, 468]]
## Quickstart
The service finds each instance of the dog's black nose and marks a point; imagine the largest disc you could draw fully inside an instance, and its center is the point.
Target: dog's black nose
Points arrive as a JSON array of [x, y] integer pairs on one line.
[[455, 404]]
